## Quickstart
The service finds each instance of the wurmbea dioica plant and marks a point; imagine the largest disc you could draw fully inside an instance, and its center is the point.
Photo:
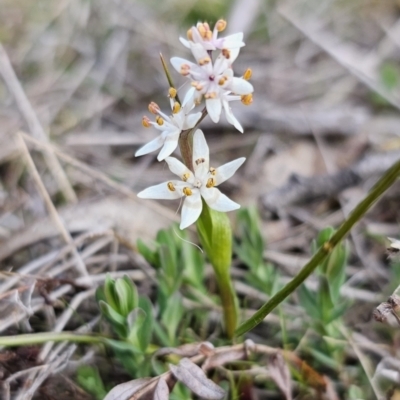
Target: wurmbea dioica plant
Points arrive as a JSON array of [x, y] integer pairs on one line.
[[211, 78]]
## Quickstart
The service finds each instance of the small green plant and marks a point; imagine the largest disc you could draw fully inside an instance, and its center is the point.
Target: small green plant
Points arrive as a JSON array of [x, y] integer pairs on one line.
[[89, 379]]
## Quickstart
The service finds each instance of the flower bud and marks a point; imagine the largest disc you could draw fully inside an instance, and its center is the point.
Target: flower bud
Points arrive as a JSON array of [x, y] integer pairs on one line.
[[247, 74], [154, 108], [220, 25], [146, 122], [247, 99]]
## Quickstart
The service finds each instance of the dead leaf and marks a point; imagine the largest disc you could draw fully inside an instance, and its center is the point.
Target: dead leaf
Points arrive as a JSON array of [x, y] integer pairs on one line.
[[127, 389], [280, 374], [162, 390], [196, 380]]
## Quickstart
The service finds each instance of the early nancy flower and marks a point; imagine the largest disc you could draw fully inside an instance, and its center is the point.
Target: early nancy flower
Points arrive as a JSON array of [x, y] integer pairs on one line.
[[170, 127], [202, 34], [215, 81], [194, 185]]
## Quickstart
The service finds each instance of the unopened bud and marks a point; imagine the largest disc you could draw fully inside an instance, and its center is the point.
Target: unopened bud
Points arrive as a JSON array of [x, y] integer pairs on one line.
[[159, 120], [220, 25], [247, 74], [172, 92], [146, 122], [189, 34], [154, 108], [247, 99], [176, 108]]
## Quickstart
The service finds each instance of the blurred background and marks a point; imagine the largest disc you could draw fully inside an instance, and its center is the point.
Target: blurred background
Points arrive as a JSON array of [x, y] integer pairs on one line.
[[76, 77]]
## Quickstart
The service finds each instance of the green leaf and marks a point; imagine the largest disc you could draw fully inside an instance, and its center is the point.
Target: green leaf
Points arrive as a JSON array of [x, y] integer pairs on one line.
[[308, 302], [109, 292], [150, 256], [117, 321], [172, 316], [146, 330], [124, 295], [89, 379]]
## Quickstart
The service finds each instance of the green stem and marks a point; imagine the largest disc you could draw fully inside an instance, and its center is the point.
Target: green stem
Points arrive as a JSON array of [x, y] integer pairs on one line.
[[381, 187], [44, 337]]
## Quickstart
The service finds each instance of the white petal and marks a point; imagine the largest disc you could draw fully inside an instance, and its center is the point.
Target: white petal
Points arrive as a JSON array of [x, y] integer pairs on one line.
[[191, 209], [214, 109], [170, 144], [233, 41], [188, 101], [178, 61], [162, 191], [185, 42], [225, 171], [151, 146], [240, 86], [198, 51], [178, 168], [234, 55], [231, 118], [217, 200], [191, 120], [201, 154]]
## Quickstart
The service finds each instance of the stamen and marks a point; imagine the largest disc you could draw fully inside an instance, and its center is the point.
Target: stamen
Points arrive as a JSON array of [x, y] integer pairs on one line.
[[213, 171], [159, 120], [199, 87], [146, 122], [226, 53], [247, 99], [200, 161], [210, 182], [185, 176], [187, 191], [202, 30], [222, 80], [220, 25], [197, 100], [204, 61], [247, 74], [176, 108], [194, 83], [172, 92], [189, 34], [171, 186], [154, 108], [212, 95]]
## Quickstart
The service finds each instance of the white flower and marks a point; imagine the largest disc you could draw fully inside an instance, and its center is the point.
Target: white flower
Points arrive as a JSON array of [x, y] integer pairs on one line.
[[201, 34], [170, 127], [215, 81], [194, 186]]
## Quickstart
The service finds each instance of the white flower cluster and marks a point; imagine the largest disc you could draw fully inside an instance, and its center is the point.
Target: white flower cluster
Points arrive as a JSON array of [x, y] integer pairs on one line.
[[213, 80]]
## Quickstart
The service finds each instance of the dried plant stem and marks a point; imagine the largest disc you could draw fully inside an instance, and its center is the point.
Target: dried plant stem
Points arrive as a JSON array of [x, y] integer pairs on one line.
[[36, 129], [80, 265], [386, 181]]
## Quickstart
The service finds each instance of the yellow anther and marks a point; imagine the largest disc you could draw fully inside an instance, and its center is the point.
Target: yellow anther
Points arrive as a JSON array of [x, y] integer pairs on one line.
[[187, 191], [222, 80], [194, 83], [146, 122], [189, 34], [204, 61], [171, 186], [220, 25], [247, 74], [211, 95], [172, 92], [176, 108], [208, 35], [247, 99], [202, 29], [226, 53], [197, 100], [154, 108], [199, 87], [213, 171], [159, 120], [185, 176], [210, 182], [200, 161]]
